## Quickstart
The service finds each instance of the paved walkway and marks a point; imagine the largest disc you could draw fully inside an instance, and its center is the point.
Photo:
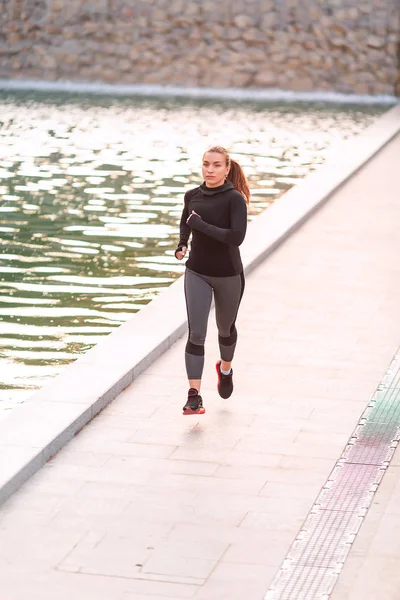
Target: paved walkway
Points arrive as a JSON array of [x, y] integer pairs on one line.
[[145, 504]]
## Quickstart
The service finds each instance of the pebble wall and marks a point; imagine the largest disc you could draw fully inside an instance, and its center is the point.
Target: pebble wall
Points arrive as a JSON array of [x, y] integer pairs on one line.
[[347, 46]]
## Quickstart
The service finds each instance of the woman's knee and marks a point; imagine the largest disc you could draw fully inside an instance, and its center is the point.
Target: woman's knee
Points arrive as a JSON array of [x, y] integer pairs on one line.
[[228, 337], [197, 338]]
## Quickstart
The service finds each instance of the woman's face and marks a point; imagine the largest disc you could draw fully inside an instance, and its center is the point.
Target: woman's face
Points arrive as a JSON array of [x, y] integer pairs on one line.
[[214, 169]]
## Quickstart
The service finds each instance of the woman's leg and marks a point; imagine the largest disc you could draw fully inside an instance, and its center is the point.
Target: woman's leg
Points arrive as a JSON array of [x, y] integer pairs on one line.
[[198, 295], [228, 292]]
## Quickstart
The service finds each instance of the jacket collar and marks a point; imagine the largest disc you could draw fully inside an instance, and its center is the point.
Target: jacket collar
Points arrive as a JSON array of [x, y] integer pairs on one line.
[[207, 191]]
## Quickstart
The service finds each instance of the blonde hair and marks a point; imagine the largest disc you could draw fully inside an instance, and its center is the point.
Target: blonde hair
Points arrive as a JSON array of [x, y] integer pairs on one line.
[[236, 175]]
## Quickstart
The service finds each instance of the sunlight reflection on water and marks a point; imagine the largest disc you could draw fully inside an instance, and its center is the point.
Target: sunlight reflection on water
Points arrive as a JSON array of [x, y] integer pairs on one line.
[[91, 193]]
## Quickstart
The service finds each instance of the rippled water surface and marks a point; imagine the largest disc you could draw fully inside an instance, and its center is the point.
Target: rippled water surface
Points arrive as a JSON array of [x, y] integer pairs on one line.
[[91, 192]]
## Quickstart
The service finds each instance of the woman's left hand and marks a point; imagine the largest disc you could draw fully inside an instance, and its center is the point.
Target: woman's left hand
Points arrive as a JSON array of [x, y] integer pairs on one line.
[[191, 214]]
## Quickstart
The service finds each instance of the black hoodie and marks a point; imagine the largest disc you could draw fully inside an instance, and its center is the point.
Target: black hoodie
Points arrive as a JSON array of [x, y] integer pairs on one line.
[[217, 232]]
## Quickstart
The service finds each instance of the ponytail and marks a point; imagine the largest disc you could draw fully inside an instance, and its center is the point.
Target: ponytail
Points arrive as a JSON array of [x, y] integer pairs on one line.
[[239, 180], [235, 175]]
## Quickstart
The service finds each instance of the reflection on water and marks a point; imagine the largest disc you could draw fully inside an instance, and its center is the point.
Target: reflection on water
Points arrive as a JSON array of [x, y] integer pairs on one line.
[[91, 192]]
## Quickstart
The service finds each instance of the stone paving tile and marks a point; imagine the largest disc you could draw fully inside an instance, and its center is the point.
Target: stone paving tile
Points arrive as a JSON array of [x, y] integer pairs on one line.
[[43, 546], [376, 578], [117, 448], [129, 596], [40, 502], [197, 510], [277, 520], [48, 585], [240, 472], [235, 581], [255, 549], [386, 541], [317, 464], [178, 563], [68, 456], [163, 466], [171, 481], [102, 435], [226, 456], [303, 490], [302, 444]]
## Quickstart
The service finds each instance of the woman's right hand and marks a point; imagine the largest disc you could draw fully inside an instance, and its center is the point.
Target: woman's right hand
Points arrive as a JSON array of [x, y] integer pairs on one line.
[[181, 253]]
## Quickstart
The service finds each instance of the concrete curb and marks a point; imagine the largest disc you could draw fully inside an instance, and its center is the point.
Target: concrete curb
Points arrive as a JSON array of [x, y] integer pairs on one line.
[[38, 429], [173, 91]]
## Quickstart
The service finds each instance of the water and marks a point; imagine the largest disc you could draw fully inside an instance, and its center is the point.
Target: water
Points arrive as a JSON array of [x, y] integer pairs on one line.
[[91, 193]]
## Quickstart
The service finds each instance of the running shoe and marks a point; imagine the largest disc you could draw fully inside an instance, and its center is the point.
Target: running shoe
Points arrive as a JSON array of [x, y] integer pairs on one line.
[[225, 382], [194, 404]]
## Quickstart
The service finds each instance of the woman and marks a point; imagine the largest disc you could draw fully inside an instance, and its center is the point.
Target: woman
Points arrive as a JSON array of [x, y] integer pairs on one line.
[[215, 213]]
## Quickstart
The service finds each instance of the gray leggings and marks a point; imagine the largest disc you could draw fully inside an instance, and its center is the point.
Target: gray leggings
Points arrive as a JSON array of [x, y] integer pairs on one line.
[[228, 292]]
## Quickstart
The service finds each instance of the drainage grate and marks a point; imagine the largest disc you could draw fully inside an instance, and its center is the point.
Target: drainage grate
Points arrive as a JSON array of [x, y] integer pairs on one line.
[[324, 539], [351, 488], [317, 555]]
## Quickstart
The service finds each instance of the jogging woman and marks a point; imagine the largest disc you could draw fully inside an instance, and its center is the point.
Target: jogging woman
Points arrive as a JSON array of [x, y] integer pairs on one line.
[[215, 214]]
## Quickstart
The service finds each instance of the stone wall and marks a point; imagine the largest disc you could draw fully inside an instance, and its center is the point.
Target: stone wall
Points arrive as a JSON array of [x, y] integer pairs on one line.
[[348, 46]]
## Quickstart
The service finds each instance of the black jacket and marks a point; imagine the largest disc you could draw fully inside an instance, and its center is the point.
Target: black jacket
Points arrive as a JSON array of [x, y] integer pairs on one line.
[[217, 232]]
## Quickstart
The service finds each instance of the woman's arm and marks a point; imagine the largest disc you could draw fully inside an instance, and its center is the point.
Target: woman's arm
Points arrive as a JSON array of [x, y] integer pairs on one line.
[[184, 229], [234, 235]]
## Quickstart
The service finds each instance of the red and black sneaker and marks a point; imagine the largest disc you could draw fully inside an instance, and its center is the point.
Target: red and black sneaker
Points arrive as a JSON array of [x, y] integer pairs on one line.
[[225, 382], [194, 404]]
